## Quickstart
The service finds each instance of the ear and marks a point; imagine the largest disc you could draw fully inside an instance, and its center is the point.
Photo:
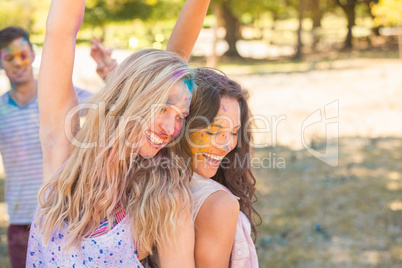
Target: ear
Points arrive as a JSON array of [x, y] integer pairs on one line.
[[32, 55]]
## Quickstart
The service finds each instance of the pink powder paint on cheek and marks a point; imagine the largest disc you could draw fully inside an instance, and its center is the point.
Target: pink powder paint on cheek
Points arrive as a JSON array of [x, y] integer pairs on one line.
[[177, 130], [176, 133]]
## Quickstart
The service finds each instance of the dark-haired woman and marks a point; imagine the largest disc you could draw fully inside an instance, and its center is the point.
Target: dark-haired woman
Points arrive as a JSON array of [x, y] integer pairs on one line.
[[223, 185]]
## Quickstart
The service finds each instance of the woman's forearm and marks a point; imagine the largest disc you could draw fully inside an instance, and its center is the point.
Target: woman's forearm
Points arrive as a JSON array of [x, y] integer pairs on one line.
[[188, 27], [65, 17], [56, 94]]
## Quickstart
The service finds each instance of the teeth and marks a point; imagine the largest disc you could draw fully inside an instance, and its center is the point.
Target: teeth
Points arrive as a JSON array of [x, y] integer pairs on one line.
[[214, 157], [155, 139]]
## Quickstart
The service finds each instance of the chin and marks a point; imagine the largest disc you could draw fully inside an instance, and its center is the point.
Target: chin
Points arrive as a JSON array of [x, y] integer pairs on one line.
[[206, 173], [148, 154]]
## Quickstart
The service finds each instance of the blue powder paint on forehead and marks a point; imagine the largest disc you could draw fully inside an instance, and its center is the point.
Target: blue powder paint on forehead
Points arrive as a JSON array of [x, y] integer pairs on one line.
[[190, 84]]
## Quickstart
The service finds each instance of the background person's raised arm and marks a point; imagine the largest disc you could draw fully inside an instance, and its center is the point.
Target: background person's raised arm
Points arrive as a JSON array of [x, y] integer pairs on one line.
[[56, 93], [188, 27]]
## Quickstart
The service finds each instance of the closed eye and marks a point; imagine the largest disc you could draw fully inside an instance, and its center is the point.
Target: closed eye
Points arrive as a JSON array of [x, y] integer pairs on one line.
[[212, 133], [218, 132]]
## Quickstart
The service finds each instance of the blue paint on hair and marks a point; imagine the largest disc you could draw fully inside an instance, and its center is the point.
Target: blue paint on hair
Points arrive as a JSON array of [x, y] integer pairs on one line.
[[190, 85]]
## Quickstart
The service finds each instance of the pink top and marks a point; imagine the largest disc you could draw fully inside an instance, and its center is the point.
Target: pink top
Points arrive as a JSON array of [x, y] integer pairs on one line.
[[244, 254]]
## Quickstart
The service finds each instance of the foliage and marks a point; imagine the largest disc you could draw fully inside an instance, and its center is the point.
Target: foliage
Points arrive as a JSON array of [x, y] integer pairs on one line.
[[102, 12], [30, 15], [387, 12]]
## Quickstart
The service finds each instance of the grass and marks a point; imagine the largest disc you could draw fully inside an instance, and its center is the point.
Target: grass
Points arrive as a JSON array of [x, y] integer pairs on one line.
[[315, 215]]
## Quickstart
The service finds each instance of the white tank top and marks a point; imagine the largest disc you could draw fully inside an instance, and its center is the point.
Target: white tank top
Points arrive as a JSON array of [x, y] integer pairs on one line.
[[244, 254]]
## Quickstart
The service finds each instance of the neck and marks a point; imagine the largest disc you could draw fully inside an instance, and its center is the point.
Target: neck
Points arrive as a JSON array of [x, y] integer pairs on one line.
[[22, 94], [198, 175]]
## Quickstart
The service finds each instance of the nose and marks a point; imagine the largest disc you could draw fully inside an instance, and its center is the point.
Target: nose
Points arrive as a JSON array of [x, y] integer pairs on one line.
[[226, 141], [232, 142], [17, 61], [168, 125]]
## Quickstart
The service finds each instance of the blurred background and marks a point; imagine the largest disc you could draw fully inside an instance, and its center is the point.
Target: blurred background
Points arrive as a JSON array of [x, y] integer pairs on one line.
[[325, 83]]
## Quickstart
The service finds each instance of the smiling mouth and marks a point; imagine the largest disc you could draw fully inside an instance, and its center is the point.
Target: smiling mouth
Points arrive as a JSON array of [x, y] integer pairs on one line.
[[212, 158], [153, 138], [19, 73]]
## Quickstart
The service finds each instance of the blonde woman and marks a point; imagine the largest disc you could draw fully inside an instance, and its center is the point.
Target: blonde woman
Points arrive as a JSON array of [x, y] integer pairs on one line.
[[107, 200]]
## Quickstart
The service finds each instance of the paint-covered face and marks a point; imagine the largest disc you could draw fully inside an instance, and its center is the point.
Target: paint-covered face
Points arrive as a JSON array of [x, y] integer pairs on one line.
[[210, 145], [16, 60], [168, 121]]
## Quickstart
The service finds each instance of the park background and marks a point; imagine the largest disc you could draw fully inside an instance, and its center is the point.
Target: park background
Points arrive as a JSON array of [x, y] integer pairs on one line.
[[329, 187]]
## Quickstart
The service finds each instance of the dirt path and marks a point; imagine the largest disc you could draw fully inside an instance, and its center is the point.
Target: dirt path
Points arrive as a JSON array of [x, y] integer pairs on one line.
[[369, 93]]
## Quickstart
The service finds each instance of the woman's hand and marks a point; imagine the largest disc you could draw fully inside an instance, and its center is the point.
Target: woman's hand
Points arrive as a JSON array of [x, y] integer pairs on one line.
[[103, 58]]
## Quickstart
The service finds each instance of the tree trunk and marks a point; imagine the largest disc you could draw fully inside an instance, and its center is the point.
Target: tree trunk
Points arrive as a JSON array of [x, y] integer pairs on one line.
[[376, 29], [213, 59], [316, 21], [351, 22], [232, 25], [349, 10], [298, 54]]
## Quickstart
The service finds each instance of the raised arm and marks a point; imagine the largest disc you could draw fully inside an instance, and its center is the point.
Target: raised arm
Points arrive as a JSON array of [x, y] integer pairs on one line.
[[56, 93], [188, 27]]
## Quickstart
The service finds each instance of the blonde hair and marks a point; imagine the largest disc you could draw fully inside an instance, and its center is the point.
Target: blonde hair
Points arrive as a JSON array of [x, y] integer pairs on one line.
[[94, 180]]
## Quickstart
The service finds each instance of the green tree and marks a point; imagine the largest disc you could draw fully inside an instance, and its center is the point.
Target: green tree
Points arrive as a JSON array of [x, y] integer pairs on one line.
[[388, 12], [349, 8], [99, 13], [27, 14], [230, 12]]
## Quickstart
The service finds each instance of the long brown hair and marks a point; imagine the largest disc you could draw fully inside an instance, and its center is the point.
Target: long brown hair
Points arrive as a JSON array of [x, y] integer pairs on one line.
[[237, 175]]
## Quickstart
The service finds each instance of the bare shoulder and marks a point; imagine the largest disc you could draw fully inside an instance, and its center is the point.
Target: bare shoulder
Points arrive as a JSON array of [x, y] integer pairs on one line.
[[220, 208], [215, 229]]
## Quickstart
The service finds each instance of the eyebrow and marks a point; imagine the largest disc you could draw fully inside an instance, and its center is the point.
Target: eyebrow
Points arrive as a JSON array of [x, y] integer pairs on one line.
[[185, 113], [220, 126]]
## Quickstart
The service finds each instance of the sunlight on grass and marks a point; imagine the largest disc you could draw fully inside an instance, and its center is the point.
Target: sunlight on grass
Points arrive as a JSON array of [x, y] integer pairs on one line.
[[318, 216], [396, 205], [393, 175]]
